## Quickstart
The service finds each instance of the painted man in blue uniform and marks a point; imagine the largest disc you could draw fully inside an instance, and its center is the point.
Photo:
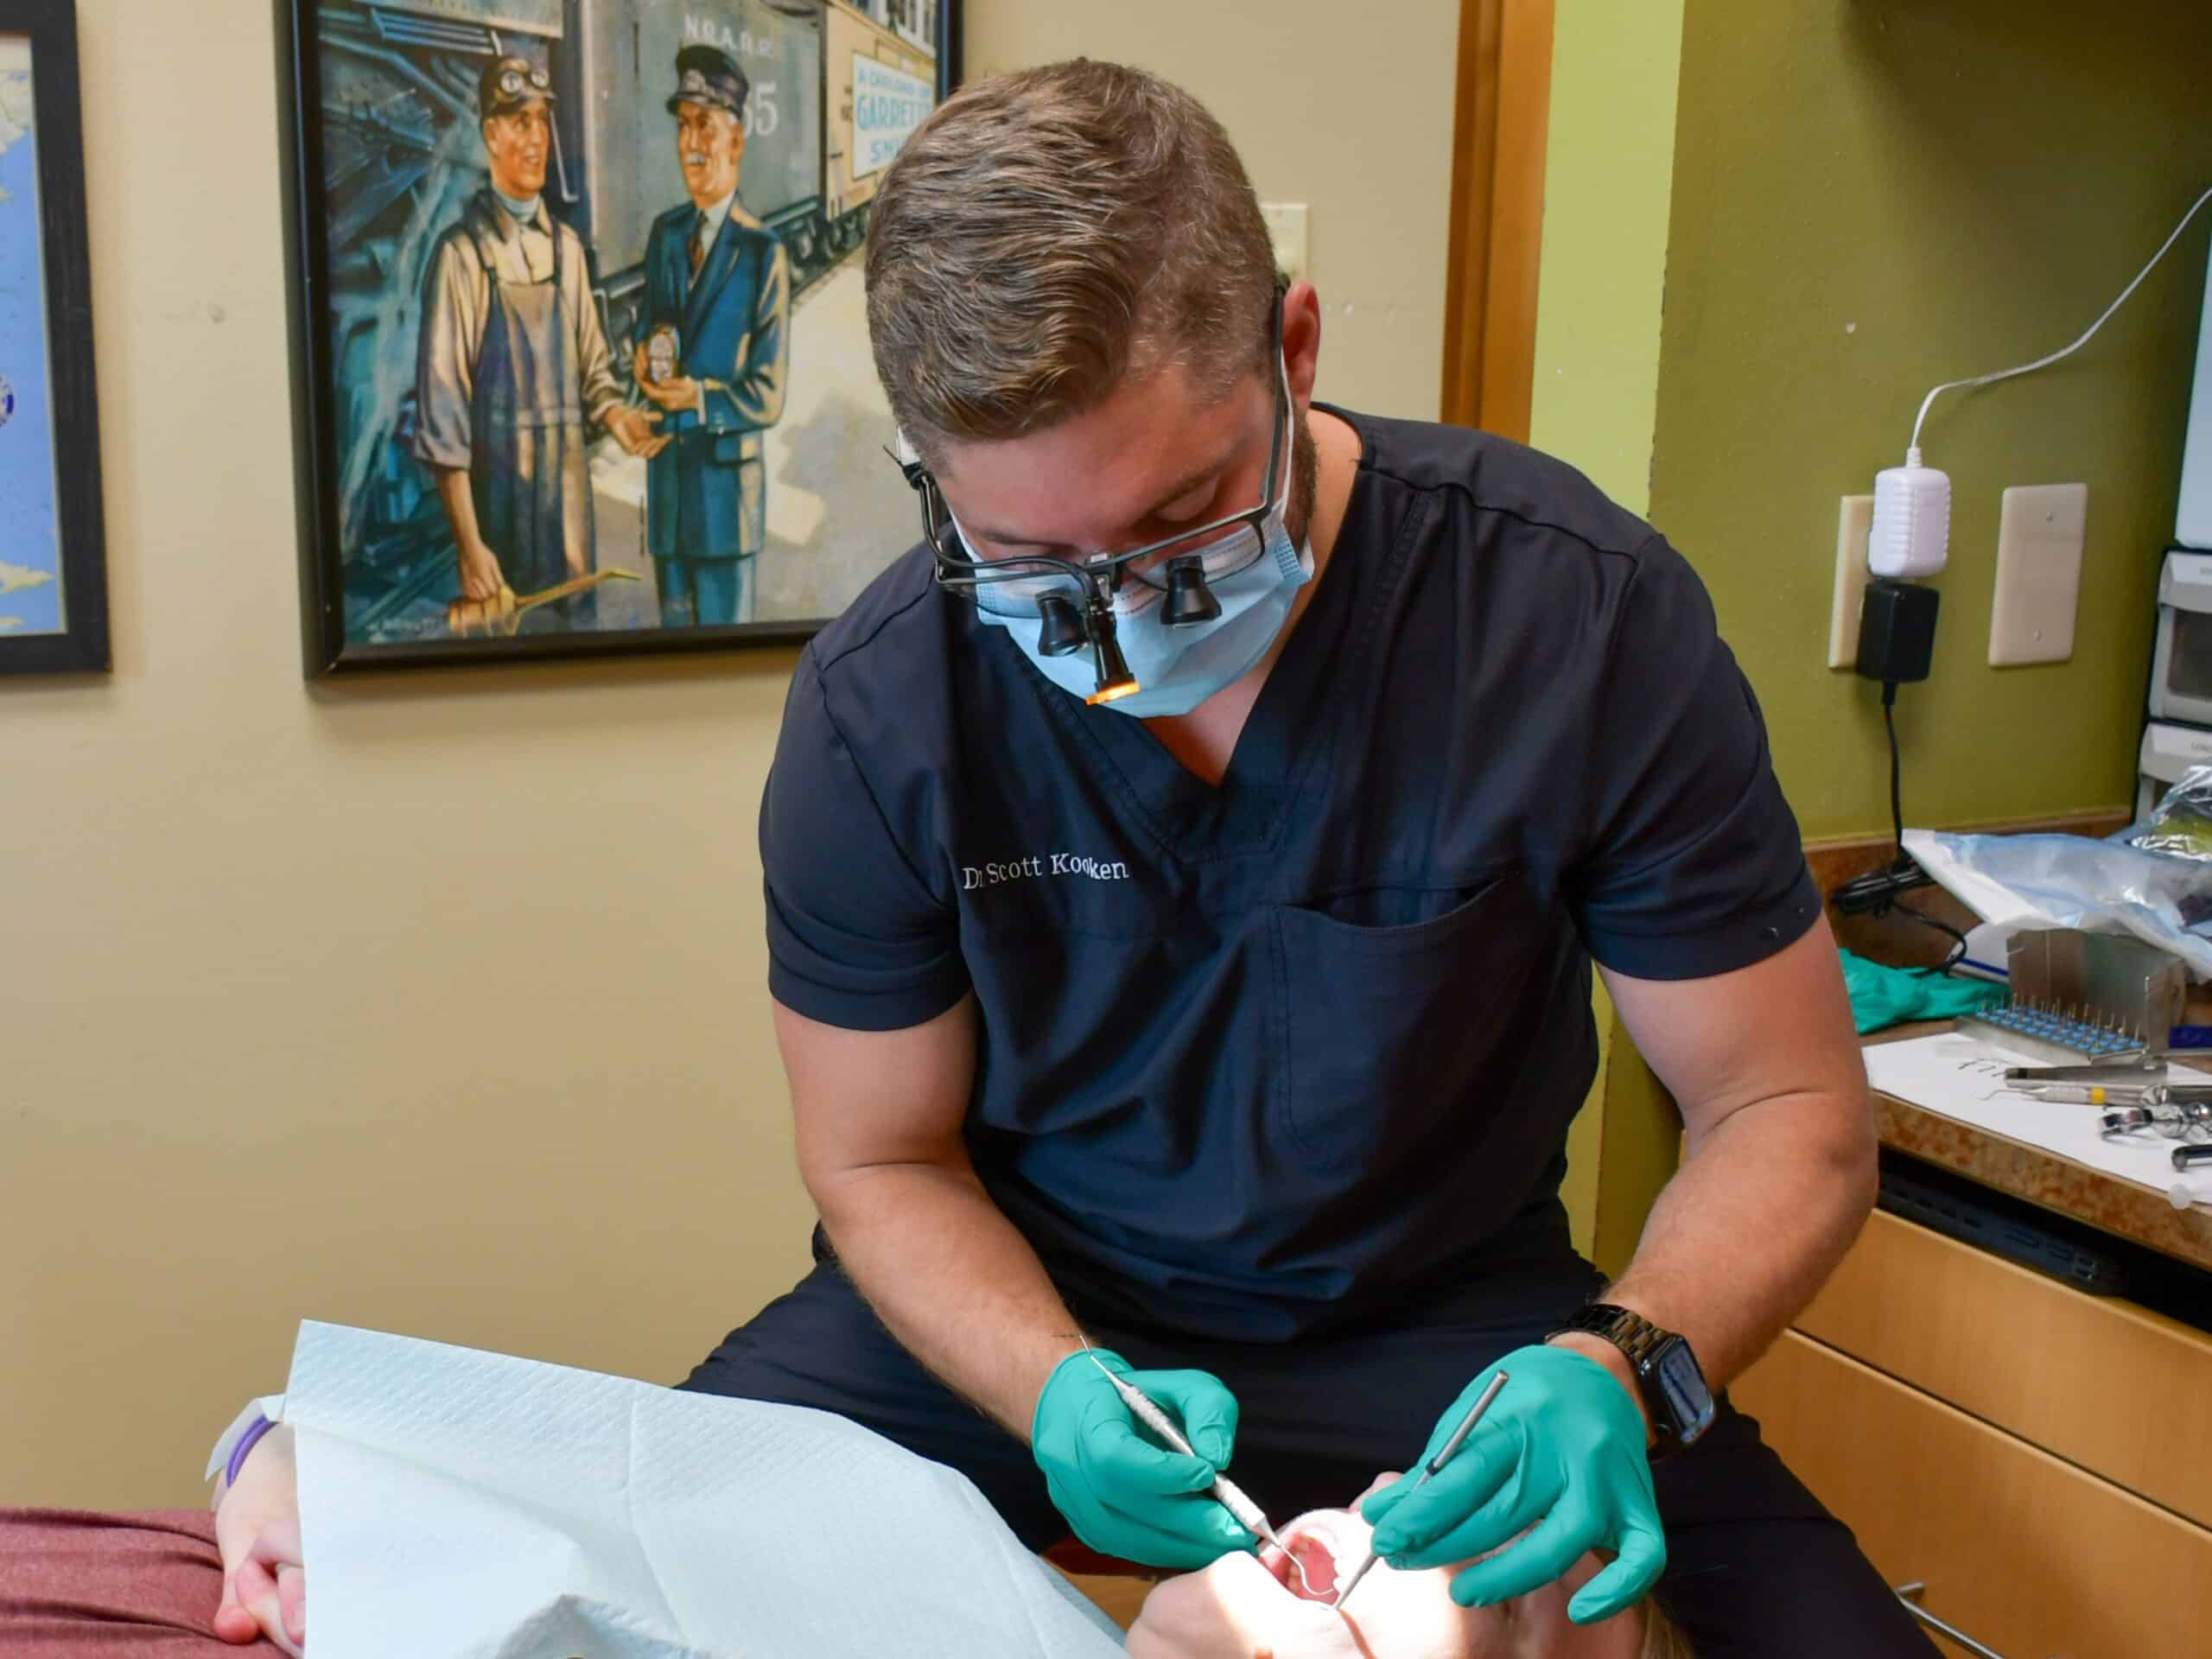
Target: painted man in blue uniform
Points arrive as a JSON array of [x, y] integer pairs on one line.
[[718, 298], [1185, 875]]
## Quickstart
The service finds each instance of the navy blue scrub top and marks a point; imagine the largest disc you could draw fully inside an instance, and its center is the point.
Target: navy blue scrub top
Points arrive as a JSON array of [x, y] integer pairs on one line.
[[1298, 1052]]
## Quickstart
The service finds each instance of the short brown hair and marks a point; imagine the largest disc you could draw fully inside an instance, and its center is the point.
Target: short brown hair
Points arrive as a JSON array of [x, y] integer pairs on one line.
[[1044, 236]]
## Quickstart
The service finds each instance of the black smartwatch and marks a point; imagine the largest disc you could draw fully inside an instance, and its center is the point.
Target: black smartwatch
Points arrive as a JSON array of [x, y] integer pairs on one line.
[[1667, 1374]]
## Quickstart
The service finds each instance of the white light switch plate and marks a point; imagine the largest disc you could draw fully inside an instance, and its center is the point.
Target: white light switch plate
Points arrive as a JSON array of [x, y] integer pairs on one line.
[[1852, 525], [2039, 537], [1285, 223]]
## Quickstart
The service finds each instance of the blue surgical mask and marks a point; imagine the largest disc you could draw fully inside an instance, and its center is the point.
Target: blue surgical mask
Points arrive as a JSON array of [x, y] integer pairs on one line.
[[1178, 668]]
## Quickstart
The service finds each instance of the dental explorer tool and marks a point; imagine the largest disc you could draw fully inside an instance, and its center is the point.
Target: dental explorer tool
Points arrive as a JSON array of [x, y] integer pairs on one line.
[[1225, 1491], [1449, 1450]]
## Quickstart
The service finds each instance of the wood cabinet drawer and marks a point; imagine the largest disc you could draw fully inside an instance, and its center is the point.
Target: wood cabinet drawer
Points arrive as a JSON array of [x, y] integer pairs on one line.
[[2103, 1384], [2018, 1549]]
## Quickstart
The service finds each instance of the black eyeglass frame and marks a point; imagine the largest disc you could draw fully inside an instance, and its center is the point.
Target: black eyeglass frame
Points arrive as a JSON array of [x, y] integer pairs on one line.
[[1099, 576]]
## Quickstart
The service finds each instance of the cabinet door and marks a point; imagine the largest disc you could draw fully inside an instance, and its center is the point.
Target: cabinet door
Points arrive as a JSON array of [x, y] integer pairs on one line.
[[2029, 1355], [2021, 1551]]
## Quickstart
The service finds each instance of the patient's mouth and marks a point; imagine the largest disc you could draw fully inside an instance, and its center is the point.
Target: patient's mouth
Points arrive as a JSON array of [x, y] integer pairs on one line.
[[1313, 1576], [1319, 1547]]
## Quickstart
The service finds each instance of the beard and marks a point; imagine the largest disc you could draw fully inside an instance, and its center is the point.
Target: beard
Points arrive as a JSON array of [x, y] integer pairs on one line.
[[1305, 481]]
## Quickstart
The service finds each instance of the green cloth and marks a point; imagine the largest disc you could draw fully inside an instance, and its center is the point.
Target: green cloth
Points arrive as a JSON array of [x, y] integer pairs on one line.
[[1882, 996], [1123, 1493], [1557, 1467]]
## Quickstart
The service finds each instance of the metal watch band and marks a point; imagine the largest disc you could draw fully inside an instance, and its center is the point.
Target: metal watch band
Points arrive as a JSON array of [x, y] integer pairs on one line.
[[1629, 1331], [1640, 1340]]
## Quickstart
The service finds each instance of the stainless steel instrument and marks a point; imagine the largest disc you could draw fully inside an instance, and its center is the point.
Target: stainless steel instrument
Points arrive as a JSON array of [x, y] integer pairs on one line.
[[1444, 1454]]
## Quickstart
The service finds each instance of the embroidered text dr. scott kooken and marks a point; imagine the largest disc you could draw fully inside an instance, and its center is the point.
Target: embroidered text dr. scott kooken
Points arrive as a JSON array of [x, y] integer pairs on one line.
[[1022, 869]]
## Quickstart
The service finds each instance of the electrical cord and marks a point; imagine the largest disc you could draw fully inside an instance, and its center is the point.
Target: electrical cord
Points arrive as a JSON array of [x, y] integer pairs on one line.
[[1958, 951], [2045, 362], [1876, 893], [1896, 795]]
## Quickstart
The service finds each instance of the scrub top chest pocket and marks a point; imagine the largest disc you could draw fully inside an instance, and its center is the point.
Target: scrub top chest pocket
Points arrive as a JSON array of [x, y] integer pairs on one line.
[[1388, 1016]]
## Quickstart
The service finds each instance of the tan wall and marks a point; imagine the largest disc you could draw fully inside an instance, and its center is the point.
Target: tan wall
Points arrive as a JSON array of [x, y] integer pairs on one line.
[[436, 1004]]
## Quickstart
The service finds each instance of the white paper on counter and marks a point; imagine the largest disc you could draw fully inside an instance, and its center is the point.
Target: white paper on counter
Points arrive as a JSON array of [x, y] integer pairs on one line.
[[470, 1505], [1963, 1078]]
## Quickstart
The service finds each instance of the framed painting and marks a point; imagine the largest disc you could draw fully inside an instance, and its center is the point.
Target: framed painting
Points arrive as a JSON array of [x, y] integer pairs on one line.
[[52, 563], [579, 346]]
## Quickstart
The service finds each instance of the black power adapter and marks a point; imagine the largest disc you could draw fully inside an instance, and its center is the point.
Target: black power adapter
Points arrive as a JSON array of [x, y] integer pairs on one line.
[[1896, 642], [1896, 633]]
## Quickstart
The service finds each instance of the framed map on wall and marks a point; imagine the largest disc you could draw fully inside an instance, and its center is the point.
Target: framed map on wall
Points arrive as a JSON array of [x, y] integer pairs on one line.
[[52, 572], [581, 348]]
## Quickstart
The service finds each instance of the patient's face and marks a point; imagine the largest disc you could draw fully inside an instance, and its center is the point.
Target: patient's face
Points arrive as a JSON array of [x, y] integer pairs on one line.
[[1243, 1608]]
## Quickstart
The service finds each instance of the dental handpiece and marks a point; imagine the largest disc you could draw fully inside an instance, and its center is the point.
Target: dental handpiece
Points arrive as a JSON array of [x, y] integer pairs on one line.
[[1225, 1491], [1444, 1454]]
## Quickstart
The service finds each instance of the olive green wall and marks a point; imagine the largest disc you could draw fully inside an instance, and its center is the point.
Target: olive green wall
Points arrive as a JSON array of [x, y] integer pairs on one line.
[[1608, 166], [1871, 197]]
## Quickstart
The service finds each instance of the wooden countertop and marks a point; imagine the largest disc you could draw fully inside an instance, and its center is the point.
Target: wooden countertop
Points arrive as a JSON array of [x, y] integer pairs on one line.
[[2128, 1209]]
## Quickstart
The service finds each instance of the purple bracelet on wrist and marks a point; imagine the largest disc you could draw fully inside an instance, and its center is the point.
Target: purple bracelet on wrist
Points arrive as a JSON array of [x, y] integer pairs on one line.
[[247, 1441]]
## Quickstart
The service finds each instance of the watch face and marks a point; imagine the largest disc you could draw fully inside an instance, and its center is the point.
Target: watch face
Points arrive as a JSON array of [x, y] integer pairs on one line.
[[1689, 1402]]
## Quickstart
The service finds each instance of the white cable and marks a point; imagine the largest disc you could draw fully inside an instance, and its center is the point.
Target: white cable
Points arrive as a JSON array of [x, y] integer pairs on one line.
[[2045, 362]]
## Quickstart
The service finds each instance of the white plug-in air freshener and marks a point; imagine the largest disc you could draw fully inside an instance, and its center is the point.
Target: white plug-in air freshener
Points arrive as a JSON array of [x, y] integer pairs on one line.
[[1911, 532]]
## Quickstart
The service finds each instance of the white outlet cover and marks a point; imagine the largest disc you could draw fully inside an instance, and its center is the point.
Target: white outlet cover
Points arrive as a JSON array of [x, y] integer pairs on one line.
[[2039, 537], [1287, 229], [1852, 524]]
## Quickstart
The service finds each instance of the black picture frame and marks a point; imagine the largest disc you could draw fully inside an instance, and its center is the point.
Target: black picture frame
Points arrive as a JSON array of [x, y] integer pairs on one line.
[[326, 645], [58, 133]]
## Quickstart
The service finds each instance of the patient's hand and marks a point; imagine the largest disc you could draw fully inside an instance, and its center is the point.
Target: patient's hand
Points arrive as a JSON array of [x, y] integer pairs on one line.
[[258, 1530], [1243, 1608]]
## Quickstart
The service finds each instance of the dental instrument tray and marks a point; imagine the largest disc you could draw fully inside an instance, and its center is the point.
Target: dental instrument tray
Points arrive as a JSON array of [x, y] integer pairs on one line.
[[2067, 1035]]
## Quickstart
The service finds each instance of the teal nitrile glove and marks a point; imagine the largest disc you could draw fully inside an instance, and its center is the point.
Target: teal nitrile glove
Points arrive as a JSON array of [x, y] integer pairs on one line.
[[1560, 1454], [1881, 996], [1121, 1492]]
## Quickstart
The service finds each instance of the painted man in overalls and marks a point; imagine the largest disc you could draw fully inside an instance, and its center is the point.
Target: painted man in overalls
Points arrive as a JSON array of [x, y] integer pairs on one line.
[[719, 283], [512, 368]]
